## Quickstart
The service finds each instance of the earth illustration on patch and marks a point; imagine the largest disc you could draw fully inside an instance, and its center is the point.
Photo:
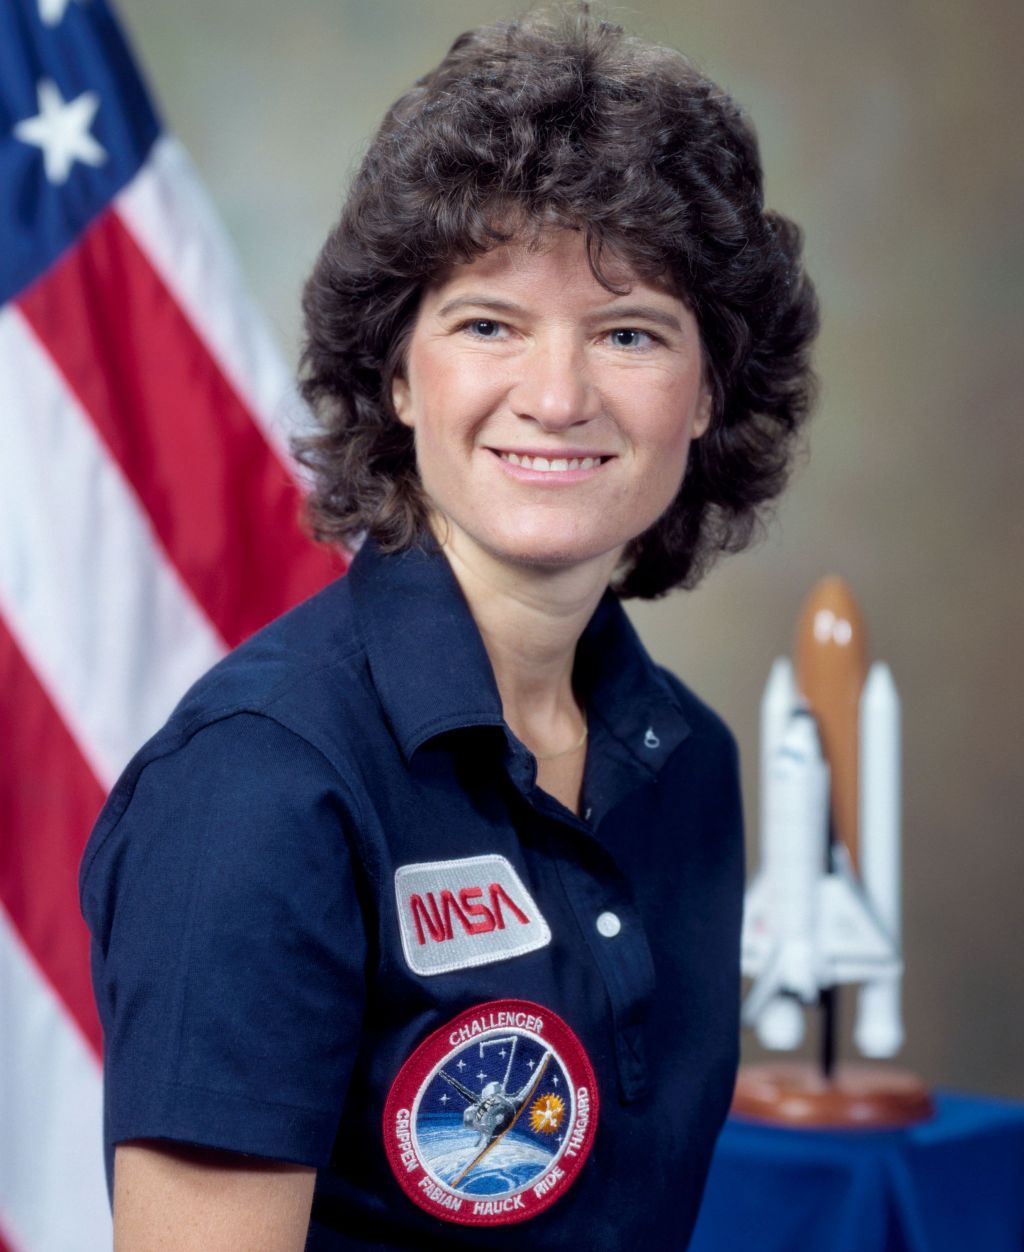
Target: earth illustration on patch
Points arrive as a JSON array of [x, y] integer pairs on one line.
[[493, 1116], [511, 1164]]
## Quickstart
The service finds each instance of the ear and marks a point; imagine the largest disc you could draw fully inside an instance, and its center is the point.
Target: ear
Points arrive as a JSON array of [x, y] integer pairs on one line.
[[702, 418], [401, 400]]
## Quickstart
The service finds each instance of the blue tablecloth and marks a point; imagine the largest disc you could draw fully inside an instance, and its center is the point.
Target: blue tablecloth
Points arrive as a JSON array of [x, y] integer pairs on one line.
[[952, 1184]]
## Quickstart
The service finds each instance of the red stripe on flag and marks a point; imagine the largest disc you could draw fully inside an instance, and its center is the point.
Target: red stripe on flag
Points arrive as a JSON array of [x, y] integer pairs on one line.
[[49, 799], [221, 502]]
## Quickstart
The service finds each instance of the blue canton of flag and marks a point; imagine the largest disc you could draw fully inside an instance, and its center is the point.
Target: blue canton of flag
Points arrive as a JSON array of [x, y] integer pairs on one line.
[[71, 102]]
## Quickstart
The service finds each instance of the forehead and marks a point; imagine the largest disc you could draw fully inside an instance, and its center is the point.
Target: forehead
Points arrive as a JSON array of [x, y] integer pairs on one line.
[[551, 259]]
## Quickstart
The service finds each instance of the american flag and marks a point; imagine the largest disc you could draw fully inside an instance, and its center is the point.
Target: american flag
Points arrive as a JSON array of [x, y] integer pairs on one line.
[[148, 522]]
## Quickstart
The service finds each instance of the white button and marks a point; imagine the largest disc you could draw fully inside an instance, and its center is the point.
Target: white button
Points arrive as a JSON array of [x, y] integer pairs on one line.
[[608, 924]]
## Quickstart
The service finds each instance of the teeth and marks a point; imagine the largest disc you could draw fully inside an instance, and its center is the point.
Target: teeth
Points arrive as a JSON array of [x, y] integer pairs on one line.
[[555, 465]]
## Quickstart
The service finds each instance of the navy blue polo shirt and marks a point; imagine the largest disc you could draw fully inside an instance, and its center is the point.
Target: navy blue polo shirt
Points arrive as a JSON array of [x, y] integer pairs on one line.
[[336, 922]]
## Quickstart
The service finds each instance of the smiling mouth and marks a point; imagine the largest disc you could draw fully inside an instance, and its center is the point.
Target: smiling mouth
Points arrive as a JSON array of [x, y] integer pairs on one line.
[[552, 465]]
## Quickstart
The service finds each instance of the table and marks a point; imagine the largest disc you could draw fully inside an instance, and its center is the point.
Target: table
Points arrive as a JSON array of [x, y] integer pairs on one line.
[[952, 1184]]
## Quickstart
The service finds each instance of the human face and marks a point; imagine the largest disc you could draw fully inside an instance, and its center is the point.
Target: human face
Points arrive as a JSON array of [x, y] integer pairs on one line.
[[552, 418]]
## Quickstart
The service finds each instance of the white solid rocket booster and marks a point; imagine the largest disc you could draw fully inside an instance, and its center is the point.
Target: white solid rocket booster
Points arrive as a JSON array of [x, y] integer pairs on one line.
[[878, 1031], [780, 1023]]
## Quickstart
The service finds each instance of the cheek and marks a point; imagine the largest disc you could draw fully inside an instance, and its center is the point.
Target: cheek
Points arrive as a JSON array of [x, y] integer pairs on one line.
[[669, 446], [674, 418], [663, 484], [446, 394]]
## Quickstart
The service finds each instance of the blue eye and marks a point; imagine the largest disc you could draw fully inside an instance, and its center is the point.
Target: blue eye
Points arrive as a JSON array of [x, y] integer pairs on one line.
[[626, 338], [484, 327]]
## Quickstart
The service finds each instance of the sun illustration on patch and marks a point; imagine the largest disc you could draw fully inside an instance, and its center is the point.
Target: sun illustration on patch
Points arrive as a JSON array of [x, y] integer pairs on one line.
[[546, 1113]]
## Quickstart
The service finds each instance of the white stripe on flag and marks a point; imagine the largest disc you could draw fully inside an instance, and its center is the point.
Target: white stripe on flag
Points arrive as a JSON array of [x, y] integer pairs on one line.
[[53, 1194], [170, 215], [101, 615]]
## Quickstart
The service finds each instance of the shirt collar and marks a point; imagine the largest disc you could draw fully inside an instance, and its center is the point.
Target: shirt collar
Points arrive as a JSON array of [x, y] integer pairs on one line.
[[636, 720], [433, 675], [427, 659]]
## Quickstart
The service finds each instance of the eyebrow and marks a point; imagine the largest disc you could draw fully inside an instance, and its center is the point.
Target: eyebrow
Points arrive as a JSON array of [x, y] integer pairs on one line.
[[642, 312], [645, 313], [480, 302]]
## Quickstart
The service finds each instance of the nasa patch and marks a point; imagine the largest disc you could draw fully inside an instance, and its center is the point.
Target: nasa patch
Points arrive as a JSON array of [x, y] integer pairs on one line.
[[456, 914], [491, 1118]]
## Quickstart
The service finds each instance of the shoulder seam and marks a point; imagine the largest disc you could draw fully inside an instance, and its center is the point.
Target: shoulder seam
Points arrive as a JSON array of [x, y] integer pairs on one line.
[[183, 737], [218, 712]]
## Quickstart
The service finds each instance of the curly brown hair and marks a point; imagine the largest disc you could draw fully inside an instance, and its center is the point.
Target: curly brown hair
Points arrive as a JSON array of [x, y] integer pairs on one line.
[[564, 121]]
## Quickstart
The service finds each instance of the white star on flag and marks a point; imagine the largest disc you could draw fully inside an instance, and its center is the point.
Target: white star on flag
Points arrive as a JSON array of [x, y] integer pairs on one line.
[[52, 11], [61, 130]]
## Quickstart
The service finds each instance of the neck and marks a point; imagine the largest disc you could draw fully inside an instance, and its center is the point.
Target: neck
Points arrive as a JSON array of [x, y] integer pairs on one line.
[[530, 620]]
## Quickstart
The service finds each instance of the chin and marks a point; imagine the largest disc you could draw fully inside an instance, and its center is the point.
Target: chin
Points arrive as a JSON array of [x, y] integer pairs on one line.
[[555, 553], [536, 547]]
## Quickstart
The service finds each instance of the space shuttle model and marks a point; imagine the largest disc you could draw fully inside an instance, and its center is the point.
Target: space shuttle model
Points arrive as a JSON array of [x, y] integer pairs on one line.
[[824, 908]]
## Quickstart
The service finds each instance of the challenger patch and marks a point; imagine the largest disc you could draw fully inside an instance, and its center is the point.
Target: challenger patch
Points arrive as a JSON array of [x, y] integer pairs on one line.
[[455, 914], [491, 1118]]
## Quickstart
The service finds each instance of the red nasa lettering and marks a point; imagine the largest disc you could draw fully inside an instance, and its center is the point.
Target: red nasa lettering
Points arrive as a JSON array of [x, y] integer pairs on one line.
[[434, 918]]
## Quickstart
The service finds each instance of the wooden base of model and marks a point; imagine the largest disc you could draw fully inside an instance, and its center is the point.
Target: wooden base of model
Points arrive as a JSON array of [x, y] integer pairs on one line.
[[855, 1096]]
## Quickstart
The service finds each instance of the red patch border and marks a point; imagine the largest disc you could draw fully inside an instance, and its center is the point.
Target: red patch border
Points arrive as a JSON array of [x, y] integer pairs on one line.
[[411, 1077]]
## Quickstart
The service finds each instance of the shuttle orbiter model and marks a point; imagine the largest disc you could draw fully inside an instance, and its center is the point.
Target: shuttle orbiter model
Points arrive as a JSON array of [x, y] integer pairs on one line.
[[824, 907]]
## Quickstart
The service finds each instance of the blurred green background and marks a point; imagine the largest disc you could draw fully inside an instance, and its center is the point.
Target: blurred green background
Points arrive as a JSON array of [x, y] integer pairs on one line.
[[892, 132]]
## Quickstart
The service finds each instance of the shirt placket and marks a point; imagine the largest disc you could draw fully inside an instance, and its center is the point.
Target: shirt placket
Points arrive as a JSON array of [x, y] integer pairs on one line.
[[616, 938], [605, 911]]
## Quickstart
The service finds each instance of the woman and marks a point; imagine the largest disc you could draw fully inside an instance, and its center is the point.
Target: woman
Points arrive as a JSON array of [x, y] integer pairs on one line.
[[419, 919]]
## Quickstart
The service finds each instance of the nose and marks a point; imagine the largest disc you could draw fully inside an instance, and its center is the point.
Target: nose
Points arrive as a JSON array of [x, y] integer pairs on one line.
[[554, 387]]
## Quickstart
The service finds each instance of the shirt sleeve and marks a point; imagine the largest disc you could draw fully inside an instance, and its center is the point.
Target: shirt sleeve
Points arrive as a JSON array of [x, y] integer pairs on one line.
[[228, 944]]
